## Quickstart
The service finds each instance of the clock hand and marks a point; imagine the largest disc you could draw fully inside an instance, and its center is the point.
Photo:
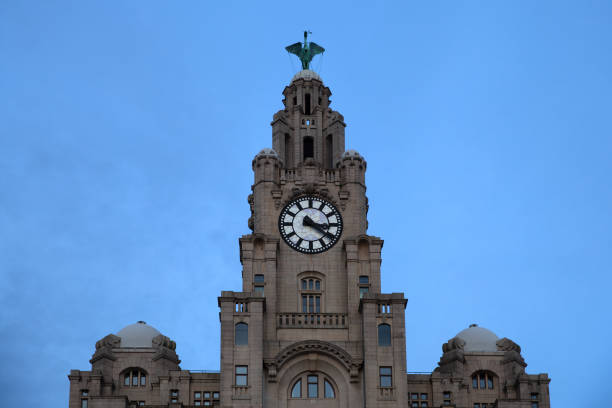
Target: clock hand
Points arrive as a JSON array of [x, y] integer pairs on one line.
[[319, 227]]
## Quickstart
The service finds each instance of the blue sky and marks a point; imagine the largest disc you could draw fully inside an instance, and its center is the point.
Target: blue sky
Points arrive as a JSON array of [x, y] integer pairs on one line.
[[127, 131]]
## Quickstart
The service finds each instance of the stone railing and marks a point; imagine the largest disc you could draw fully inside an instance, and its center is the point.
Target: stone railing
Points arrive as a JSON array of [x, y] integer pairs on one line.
[[313, 320]]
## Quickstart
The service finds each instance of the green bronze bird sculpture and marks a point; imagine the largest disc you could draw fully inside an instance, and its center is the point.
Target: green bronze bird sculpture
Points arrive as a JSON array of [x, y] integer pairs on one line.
[[306, 52]]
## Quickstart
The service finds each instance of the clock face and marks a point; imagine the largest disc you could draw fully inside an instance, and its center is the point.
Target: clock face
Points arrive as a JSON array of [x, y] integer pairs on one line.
[[310, 224]]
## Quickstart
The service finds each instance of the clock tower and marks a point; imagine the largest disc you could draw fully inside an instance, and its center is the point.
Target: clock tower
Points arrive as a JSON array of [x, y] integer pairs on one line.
[[310, 326], [316, 322]]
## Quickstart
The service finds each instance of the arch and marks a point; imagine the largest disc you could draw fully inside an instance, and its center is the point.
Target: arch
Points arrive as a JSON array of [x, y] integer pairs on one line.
[[133, 377], [308, 147], [328, 369], [484, 380]]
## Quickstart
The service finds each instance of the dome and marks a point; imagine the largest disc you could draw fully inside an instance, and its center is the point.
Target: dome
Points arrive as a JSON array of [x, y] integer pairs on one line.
[[351, 153], [267, 152], [307, 75], [138, 334], [478, 339]]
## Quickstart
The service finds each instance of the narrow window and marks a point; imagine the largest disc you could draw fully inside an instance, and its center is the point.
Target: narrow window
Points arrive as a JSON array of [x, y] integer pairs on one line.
[[329, 151], [242, 373], [386, 377], [241, 335], [475, 382], [296, 391], [310, 304], [288, 151], [318, 304], [384, 335], [84, 403], [174, 395], [294, 100], [482, 382], [307, 103], [127, 379], [490, 382], [313, 386], [143, 379], [304, 304], [329, 390], [310, 284], [308, 147], [317, 285], [134, 378]]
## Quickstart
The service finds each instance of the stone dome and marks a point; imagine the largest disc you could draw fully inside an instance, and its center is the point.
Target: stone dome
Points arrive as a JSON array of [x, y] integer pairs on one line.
[[351, 153], [306, 74], [138, 334], [478, 339], [267, 152]]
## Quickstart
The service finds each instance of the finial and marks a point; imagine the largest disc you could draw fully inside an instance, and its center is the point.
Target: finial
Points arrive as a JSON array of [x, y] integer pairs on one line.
[[306, 52]]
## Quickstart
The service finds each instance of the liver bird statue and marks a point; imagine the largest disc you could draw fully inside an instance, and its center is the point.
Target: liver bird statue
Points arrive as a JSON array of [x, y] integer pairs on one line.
[[306, 52]]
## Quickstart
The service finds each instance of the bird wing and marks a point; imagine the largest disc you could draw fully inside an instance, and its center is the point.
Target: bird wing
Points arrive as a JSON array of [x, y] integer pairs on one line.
[[295, 48], [316, 49]]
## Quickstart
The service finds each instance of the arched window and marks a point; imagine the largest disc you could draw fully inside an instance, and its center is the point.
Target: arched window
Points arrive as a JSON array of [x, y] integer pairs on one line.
[[241, 334], [134, 377], [329, 390], [329, 151], [307, 104], [288, 151], [314, 382], [483, 380], [296, 391], [308, 147], [310, 289], [384, 335]]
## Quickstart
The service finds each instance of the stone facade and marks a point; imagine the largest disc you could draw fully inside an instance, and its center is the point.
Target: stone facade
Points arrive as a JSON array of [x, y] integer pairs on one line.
[[308, 328]]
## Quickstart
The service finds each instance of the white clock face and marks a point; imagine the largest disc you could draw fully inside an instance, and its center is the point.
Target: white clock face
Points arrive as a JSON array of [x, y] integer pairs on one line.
[[310, 224]]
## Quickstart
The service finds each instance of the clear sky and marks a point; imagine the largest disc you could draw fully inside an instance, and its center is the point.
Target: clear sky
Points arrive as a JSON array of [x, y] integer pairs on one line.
[[127, 130]]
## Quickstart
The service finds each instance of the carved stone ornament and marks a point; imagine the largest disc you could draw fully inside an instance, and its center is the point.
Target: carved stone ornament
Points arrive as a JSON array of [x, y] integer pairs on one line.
[[506, 344], [314, 346], [104, 348], [456, 343]]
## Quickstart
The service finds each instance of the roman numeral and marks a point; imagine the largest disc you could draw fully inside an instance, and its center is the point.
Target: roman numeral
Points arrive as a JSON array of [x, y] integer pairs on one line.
[[299, 242], [292, 233], [333, 224], [309, 244], [310, 203], [299, 206], [287, 224], [291, 213], [322, 242], [321, 206]]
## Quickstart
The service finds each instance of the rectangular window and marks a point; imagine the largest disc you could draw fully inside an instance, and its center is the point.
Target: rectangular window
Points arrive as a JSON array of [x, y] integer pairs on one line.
[[363, 290], [258, 278], [415, 405], [318, 304], [476, 405], [207, 395], [174, 395], [207, 403], [423, 396], [84, 403], [423, 404], [197, 395], [141, 403], [197, 403], [310, 304], [386, 379], [215, 395], [304, 304], [364, 280], [242, 376], [414, 396], [85, 393], [259, 291], [482, 382], [313, 386]]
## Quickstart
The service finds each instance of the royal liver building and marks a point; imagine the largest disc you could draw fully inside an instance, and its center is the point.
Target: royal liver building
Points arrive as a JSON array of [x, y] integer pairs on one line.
[[310, 326]]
